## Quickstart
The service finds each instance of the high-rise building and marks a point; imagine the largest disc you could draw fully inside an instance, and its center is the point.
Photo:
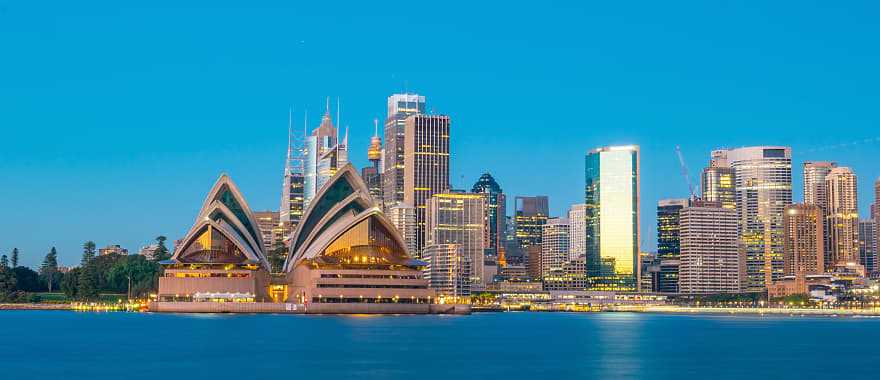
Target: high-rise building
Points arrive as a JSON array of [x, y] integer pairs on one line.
[[270, 228], [804, 252], [554, 247], [403, 217], [324, 155], [875, 214], [292, 196], [530, 215], [426, 165], [710, 260], [668, 244], [814, 183], [717, 180], [495, 212], [458, 218], [372, 174], [842, 217], [762, 182], [534, 261], [612, 208], [868, 245], [400, 106], [112, 249], [577, 220], [448, 270]]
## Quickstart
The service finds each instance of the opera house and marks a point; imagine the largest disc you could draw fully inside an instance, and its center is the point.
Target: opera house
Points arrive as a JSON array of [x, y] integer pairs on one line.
[[345, 257]]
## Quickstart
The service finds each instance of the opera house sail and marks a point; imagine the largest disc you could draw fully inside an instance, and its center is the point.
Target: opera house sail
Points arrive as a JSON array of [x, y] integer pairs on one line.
[[347, 257], [221, 259]]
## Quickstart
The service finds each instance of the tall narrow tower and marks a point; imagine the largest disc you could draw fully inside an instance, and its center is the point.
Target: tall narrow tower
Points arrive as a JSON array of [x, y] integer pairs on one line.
[[292, 205]]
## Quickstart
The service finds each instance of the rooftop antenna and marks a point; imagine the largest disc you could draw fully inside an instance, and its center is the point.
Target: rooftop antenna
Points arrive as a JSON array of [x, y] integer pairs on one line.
[[328, 106], [338, 120], [376, 127]]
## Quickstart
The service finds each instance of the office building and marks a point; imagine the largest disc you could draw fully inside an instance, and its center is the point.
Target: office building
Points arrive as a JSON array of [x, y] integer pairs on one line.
[[400, 106], [710, 260], [324, 155], [717, 180], [842, 217], [292, 187], [530, 215], [495, 212], [112, 249], [459, 218], [403, 217], [668, 244], [612, 217], [269, 223], [426, 165], [762, 182], [448, 271], [868, 245], [577, 220], [804, 231], [555, 240], [815, 192]]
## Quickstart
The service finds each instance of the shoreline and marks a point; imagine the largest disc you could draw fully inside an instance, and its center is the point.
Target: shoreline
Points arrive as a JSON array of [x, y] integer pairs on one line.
[[35, 306]]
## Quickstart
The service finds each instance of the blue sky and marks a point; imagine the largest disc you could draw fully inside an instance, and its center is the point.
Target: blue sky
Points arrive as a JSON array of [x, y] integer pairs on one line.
[[118, 118]]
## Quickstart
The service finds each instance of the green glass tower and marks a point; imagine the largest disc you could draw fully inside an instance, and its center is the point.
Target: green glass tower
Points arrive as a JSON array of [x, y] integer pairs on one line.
[[612, 208]]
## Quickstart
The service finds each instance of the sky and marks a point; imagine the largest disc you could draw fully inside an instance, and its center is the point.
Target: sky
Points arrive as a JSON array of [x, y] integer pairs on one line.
[[117, 117]]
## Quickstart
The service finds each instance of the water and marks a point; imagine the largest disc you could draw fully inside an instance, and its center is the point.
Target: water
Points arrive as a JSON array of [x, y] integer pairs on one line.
[[71, 345]]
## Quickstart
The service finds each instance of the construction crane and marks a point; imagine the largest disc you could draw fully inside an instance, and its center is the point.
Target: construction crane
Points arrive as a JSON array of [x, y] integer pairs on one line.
[[684, 171]]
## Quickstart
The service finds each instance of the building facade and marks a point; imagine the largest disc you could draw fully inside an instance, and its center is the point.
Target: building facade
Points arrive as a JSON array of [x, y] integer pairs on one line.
[[448, 271], [612, 217], [717, 181], [762, 182], [324, 155], [426, 165], [555, 240], [271, 229], [842, 217], [403, 217], [530, 215], [495, 212], [459, 218], [868, 245], [577, 220], [804, 242], [668, 243], [710, 260], [400, 106]]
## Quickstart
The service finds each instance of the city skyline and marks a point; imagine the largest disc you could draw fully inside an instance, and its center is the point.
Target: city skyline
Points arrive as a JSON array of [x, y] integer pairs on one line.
[[93, 145]]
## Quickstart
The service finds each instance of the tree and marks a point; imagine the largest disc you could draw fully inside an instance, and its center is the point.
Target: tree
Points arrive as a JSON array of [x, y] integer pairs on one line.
[[87, 283], [70, 283], [88, 252], [7, 284], [4, 262], [14, 258], [27, 280], [161, 251], [276, 257], [134, 275], [49, 268]]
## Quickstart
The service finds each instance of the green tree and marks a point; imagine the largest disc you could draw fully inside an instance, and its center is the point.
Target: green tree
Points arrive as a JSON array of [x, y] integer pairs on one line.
[[87, 283], [88, 252], [49, 268], [26, 279], [276, 257], [70, 283], [162, 250], [14, 258], [134, 275], [4, 262], [7, 285]]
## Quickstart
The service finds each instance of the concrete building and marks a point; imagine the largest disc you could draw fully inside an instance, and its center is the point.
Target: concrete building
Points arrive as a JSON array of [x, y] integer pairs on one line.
[[324, 155], [403, 217], [804, 245], [269, 223], [534, 262], [495, 213], [577, 220], [612, 218], [459, 218], [149, 251], [112, 249], [530, 215], [717, 181], [400, 106], [842, 218], [448, 271], [815, 192], [668, 244], [762, 183], [710, 261], [426, 165], [554, 247]]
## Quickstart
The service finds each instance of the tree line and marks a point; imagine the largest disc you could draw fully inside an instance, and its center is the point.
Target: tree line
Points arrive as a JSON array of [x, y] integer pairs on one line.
[[134, 275]]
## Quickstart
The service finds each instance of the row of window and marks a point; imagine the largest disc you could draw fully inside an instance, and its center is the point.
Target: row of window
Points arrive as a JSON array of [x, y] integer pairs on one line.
[[381, 276], [370, 300], [358, 286]]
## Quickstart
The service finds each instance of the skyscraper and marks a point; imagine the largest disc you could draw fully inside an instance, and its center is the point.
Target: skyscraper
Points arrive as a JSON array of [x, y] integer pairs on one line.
[[577, 220], [403, 217], [426, 165], [814, 183], [868, 245], [612, 208], [400, 106], [710, 261], [762, 183], [804, 252], [292, 196], [270, 228], [372, 174], [324, 155], [669, 243], [717, 180], [458, 218], [495, 215], [530, 215], [842, 217], [554, 247]]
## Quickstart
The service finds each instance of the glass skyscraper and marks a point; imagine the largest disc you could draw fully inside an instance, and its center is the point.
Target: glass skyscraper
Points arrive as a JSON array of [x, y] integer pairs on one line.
[[496, 213], [612, 208], [669, 243]]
